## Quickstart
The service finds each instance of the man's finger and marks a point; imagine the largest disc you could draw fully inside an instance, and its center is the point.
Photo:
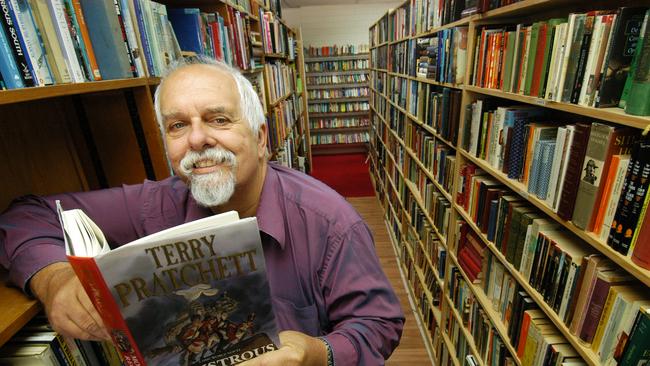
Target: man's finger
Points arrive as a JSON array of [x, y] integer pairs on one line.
[[99, 329]]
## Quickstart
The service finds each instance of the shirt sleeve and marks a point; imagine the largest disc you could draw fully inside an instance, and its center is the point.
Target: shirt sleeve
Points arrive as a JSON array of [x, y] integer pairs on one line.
[[31, 236], [365, 312]]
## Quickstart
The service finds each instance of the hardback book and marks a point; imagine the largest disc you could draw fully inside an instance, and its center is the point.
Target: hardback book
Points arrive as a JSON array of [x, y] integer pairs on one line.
[[612, 200], [632, 199], [60, 22], [27, 354], [638, 99], [193, 294], [637, 350], [53, 51], [635, 60], [107, 39], [604, 142], [619, 55], [187, 25]]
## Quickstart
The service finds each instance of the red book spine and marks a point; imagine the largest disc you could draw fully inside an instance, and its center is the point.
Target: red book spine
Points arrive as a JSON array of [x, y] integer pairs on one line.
[[641, 253], [539, 60], [93, 282]]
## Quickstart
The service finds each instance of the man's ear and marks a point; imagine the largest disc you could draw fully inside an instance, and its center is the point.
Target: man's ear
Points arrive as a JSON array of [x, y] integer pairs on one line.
[[262, 139]]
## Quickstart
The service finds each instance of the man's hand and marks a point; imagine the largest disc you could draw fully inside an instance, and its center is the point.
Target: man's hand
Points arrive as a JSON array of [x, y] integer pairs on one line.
[[297, 349], [67, 306]]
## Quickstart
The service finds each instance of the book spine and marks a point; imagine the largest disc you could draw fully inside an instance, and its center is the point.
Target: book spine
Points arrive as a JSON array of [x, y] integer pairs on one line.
[[32, 43], [13, 36], [88, 47], [57, 12], [572, 176], [144, 38], [635, 60], [638, 100], [100, 295]]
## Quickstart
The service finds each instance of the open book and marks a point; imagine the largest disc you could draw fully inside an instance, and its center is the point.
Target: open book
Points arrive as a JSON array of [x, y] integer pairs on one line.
[[194, 294]]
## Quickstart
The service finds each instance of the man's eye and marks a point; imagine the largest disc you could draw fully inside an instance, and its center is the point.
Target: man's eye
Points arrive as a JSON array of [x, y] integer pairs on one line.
[[219, 120], [176, 126]]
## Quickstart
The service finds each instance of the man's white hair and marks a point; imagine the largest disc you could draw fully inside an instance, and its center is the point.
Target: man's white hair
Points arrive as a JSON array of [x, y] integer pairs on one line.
[[249, 101]]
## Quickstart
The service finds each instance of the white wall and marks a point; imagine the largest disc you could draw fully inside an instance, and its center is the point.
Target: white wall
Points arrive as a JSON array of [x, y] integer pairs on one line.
[[327, 25]]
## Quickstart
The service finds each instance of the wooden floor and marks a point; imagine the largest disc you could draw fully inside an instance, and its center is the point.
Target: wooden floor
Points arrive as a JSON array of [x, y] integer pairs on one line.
[[411, 350]]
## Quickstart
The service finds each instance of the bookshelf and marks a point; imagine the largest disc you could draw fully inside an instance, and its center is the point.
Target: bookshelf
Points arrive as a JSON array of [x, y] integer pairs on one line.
[[420, 134], [82, 136], [338, 101]]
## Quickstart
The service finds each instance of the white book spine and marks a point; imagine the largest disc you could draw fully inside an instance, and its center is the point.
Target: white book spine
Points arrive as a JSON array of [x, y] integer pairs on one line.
[[565, 57], [57, 12], [131, 37], [563, 168], [592, 56], [559, 42]]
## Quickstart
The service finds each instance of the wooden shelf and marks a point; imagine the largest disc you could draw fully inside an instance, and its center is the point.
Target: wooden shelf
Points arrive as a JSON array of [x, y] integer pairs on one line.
[[642, 274], [427, 81], [616, 115], [17, 310], [44, 92], [275, 55], [585, 351], [281, 99], [358, 56]]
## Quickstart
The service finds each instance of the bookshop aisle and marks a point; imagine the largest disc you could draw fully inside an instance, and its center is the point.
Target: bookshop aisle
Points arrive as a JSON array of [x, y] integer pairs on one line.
[[411, 350]]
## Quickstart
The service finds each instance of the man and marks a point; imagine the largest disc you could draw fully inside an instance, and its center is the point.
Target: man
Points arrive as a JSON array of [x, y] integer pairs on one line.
[[590, 172], [329, 293]]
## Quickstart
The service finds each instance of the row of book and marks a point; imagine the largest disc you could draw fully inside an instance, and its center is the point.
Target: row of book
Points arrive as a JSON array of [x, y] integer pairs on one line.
[[442, 57], [379, 57], [340, 65], [281, 120], [591, 174], [561, 270], [47, 42], [437, 209], [436, 107], [336, 50], [339, 122], [586, 59], [338, 93], [415, 17], [337, 79], [489, 344], [38, 344], [433, 155], [339, 107], [280, 79], [222, 37], [275, 36], [340, 138]]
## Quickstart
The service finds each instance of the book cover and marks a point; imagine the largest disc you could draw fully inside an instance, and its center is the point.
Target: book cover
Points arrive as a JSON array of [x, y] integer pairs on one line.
[[193, 294], [187, 26], [637, 350], [635, 60], [106, 37], [625, 35], [638, 98], [611, 192], [570, 64], [632, 199], [604, 141]]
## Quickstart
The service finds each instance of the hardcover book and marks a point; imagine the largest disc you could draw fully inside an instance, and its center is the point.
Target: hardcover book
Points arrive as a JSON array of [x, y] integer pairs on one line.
[[194, 294]]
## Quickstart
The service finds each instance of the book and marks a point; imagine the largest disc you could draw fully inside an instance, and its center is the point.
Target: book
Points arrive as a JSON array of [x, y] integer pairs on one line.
[[107, 39], [619, 55], [604, 141], [639, 96], [611, 191], [200, 287], [637, 350], [27, 354]]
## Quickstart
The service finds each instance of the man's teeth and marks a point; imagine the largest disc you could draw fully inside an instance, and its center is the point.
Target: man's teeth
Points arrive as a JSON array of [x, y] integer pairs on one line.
[[204, 163]]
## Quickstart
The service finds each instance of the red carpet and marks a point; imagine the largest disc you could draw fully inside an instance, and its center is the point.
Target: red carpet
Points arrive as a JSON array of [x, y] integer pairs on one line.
[[346, 173]]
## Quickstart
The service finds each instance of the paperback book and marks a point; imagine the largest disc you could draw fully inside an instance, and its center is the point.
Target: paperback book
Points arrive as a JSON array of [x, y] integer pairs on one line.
[[194, 294]]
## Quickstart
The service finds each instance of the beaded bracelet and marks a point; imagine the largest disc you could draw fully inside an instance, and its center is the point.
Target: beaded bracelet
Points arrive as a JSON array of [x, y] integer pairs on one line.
[[330, 355]]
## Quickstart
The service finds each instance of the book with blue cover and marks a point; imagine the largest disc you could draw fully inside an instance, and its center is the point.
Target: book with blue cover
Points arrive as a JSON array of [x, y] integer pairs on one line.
[[187, 26]]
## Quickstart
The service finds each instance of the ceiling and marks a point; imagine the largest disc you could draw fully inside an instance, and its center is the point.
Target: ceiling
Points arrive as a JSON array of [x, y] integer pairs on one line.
[[301, 3]]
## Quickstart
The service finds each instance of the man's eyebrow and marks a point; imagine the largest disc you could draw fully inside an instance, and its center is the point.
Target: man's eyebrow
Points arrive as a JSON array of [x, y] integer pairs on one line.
[[172, 115]]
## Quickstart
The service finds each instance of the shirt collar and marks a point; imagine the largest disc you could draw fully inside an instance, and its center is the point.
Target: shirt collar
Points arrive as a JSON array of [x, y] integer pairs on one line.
[[271, 210]]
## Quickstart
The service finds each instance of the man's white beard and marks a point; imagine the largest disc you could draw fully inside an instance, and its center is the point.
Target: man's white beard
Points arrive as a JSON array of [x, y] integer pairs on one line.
[[212, 189]]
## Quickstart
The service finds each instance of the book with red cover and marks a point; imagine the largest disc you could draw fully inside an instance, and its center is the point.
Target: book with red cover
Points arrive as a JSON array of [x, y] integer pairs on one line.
[[172, 296]]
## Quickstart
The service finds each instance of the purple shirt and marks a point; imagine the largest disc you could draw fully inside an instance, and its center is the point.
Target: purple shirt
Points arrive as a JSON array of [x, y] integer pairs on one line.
[[324, 275]]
